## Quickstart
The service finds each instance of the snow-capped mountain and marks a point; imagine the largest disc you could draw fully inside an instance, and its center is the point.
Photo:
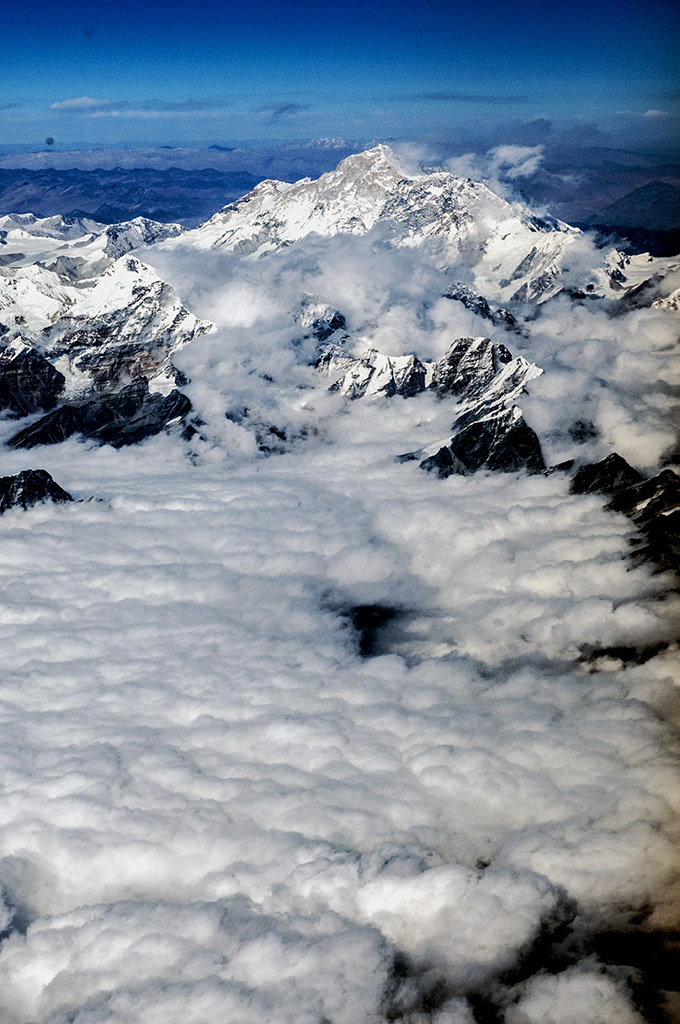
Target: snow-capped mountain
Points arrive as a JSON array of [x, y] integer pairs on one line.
[[79, 242], [99, 316], [503, 243], [126, 325], [507, 253], [81, 315]]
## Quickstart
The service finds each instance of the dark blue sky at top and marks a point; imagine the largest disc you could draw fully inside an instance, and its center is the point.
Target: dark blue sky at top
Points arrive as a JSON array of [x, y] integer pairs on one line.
[[150, 72]]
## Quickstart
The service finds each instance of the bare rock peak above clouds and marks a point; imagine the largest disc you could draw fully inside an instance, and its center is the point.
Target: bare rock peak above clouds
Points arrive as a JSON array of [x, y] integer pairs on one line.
[[30, 487], [117, 418], [605, 477], [653, 504]]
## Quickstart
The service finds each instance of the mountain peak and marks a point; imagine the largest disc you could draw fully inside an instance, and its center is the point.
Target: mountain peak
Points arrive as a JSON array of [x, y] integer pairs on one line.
[[378, 157]]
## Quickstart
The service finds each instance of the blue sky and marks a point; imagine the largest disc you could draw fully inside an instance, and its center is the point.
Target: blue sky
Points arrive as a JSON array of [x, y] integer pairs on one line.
[[152, 72]]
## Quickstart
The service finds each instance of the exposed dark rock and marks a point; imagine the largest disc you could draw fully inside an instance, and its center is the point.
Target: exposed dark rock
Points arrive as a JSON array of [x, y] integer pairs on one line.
[[643, 294], [444, 463], [135, 337], [478, 304], [28, 381], [408, 381], [468, 366], [373, 373], [654, 505], [489, 431], [561, 467], [30, 487], [69, 268], [323, 327], [582, 430], [502, 442], [121, 418], [605, 477], [532, 290], [522, 268], [646, 499]]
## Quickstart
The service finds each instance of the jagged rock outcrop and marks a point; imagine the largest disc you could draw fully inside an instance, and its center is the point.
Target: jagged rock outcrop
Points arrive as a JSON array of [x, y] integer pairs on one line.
[[468, 366], [502, 442], [30, 487], [373, 373], [653, 505], [127, 325], [29, 383], [499, 317], [100, 317], [123, 237], [489, 431], [319, 319], [605, 477], [120, 418]]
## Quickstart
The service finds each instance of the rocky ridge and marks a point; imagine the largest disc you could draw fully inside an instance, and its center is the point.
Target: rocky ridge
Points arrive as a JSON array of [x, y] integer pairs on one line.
[[30, 487], [653, 504], [86, 317]]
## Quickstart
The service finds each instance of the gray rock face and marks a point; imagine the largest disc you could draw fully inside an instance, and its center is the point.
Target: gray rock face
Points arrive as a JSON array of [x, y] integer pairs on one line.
[[123, 237], [489, 431], [653, 505], [374, 374], [121, 418], [30, 487], [605, 477], [499, 317], [468, 366], [502, 443], [28, 381], [129, 334]]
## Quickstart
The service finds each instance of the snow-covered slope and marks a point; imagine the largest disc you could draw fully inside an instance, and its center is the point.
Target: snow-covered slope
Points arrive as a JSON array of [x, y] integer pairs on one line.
[[117, 324], [502, 249], [504, 241], [25, 240], [126, 325]]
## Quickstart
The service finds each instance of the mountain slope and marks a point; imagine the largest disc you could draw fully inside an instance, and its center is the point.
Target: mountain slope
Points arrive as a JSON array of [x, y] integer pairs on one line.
[[507, 244]]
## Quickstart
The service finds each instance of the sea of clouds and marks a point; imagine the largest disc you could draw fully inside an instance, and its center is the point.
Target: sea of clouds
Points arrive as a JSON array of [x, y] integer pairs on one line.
[[214, 808]]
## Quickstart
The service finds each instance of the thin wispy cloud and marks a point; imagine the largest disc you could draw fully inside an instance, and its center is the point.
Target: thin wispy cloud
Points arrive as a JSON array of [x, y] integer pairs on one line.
[[463, 97], [143, 108], [281, 110], [78, 103]]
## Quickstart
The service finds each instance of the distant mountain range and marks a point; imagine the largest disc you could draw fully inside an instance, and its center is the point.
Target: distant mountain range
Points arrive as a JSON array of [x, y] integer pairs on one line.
[[655, 206], [611, 189], [120, 194]]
